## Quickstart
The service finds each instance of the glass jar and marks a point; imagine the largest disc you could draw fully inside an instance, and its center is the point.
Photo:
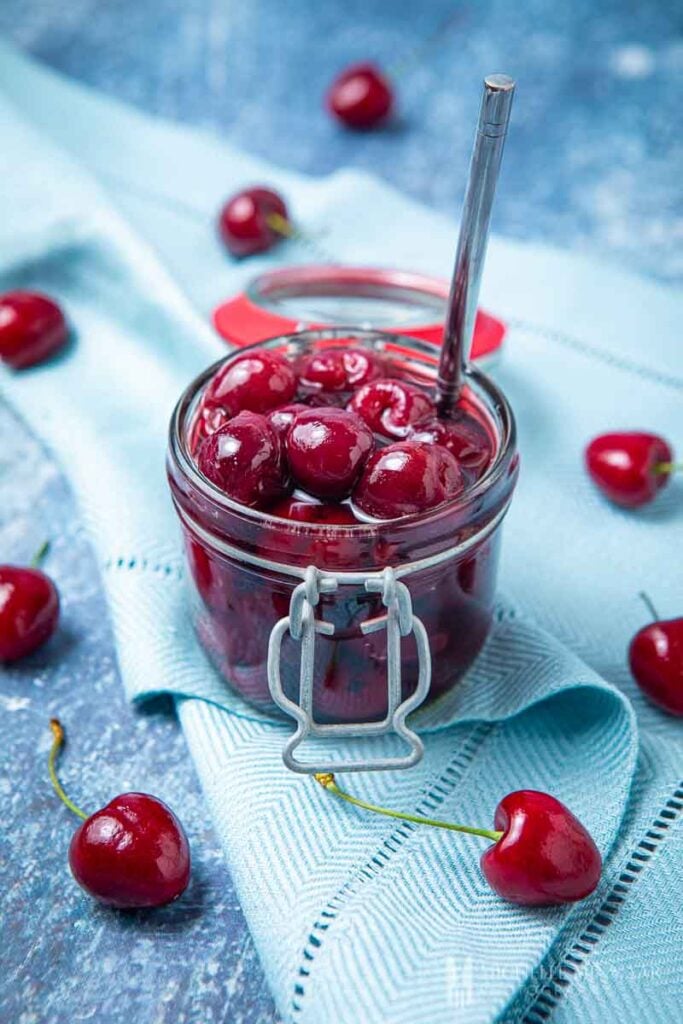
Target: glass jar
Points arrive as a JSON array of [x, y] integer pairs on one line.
[[244, 564]]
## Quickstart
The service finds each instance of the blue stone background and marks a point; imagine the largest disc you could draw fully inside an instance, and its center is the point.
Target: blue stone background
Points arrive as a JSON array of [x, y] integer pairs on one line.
[[593, 163]]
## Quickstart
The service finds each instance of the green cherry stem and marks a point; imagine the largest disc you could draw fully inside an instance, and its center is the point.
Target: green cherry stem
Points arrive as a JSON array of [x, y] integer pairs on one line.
[[647, 601], [57, 744], [326, 780], [666, 468], [40, 555]]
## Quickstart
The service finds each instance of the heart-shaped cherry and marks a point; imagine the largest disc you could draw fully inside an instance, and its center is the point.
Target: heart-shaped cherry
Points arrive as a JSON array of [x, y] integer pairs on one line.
[[655, 656], [253, 221], [541, 855], [360, 97], [630, 467], [32, 328], [132, 853], [29, 608], [544, 855]]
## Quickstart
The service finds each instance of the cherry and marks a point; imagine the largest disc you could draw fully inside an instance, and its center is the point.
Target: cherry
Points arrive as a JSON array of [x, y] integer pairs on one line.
[[391, 407], [629, 467], [326, 450], [544, 856], [29, 609], [337, 369], [253, 220], [541, 855], [282, 418], [32, 328], [132, 853], [360, 97], [244, 460], [656, 659], [464, 437], [257, 381], [322, 513], [405, 478]]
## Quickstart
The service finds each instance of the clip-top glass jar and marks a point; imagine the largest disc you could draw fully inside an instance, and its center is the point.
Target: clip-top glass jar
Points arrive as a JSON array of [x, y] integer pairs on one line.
[[384, 613]]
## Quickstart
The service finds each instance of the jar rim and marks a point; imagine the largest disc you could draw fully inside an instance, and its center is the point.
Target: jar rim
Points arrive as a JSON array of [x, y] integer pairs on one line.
[[482, 385]]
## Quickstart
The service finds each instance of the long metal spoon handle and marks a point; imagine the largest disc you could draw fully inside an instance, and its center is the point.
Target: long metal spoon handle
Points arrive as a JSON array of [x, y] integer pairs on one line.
[[474, 230]]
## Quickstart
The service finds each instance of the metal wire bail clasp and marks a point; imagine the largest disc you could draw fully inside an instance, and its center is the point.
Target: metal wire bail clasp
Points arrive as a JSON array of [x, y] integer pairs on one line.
[[398, 620]]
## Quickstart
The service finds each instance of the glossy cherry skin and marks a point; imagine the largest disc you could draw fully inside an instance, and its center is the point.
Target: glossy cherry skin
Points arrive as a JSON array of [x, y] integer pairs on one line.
[[32, 328], [322, 513], [282, 418], [545, 855], [624, 466], [131, 853], [258, 381], [465, 438], [29, 611], [405, 478], [326, 450], [656, 659], [244, 460], [243, 221], [391, 407], [360, 97], [337, 369]]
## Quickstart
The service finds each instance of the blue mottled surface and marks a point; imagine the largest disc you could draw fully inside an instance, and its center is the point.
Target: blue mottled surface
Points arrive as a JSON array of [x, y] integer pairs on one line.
[[594, 162]]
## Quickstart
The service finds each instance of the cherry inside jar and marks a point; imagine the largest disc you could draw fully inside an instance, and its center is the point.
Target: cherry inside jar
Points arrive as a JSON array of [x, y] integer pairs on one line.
[[249, 542]]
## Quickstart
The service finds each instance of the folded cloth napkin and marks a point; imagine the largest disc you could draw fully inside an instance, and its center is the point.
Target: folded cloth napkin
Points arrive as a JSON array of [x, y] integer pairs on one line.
[[358, 918]]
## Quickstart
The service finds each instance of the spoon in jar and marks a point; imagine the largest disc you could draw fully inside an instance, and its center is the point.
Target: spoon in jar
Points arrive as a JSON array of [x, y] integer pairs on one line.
[[489, 141]]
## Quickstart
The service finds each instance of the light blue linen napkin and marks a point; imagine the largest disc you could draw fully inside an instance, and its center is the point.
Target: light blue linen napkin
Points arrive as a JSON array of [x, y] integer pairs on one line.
[[355, 919]]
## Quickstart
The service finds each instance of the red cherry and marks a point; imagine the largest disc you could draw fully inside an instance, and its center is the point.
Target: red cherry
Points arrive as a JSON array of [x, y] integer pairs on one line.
[[131, 853], [545, 855], [464, 437], [29, 611], [656, 659], [405, 478], [32, 328], [360, 97], [629, 467], [252, 221], [339, 369], [326, 450], [244, 460], [391, 407], [322, 513], [257, 381], [282, 418]]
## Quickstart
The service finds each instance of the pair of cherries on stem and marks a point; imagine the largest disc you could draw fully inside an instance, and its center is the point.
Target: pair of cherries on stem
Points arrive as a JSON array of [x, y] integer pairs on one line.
[[541, 854]]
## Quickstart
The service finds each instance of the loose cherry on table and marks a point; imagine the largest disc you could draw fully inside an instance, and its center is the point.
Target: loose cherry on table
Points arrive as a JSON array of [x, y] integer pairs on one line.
[[253, 221], [656, 659], [406, 478], [541, 855], [630, 467], [391, 407], [326, 450], [360, 97], [29, 608], [244, 459], [132, 853], [32, 328]]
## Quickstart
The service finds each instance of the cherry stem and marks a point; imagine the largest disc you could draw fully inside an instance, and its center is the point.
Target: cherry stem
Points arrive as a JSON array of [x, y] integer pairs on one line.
[[40, 555], [326, 780], [57, 744], [665, 468], [645, 598]]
